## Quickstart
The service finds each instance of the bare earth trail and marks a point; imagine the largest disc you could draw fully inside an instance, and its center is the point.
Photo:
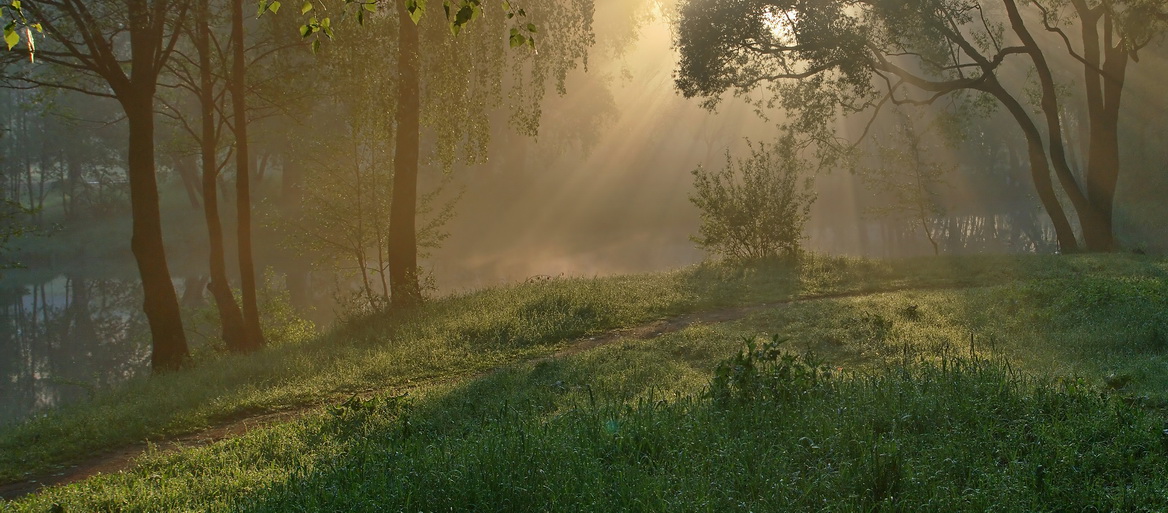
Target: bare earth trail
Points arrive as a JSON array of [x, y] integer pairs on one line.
[[124, 457]]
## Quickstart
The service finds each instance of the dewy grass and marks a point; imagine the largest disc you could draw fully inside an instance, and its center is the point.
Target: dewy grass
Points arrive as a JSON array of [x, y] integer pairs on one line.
[[953, 435], [456, 337]]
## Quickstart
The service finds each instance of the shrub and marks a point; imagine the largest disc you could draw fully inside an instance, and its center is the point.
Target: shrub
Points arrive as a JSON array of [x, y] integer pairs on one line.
[[754, 208]]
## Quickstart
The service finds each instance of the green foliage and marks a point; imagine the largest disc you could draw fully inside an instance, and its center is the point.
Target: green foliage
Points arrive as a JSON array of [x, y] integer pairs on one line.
[[766, 373], [16, 24], [459, 14], [1007, 299], [754, 208], [959, 435], [908, 181], [281, 323]]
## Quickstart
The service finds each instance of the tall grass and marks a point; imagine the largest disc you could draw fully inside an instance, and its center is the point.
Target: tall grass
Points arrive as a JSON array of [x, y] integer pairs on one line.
[[957, 434], [458, 337]]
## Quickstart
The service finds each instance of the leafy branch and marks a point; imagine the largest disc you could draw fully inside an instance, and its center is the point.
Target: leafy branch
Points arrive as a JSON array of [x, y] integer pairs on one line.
[[18, 23]]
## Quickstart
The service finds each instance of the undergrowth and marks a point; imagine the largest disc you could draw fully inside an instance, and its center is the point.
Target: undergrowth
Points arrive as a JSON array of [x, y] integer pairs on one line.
[[454, 338], [773, 430]]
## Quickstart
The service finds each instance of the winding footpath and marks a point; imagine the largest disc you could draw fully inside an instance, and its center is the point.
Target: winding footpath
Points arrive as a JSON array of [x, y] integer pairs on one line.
[[125, 457]]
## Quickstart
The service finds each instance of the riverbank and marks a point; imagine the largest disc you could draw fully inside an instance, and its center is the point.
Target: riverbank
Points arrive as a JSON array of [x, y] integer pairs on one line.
[[1098, 317]]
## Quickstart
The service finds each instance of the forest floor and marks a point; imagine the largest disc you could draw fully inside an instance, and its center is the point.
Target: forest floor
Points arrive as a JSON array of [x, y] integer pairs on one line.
[[486, 367]]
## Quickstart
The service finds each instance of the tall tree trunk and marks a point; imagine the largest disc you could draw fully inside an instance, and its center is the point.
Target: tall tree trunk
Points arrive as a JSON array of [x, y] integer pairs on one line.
[[161, 302], [247, 279], [1103, 157], [403, 239], [230, 318], [1104, 73], [1095, 229], [1039, 168]]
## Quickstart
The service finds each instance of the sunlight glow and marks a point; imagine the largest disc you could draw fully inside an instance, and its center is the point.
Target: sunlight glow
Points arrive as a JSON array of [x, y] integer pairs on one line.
[[782, 25]]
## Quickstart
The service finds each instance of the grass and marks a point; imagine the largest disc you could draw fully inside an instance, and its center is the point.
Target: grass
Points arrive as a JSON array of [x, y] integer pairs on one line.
[[485, 439]]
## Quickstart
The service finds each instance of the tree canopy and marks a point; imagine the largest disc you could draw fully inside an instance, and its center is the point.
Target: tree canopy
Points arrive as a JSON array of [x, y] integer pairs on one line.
[[820, 59]]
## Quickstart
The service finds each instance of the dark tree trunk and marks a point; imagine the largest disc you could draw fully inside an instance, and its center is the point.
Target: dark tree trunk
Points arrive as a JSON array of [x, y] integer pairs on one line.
[[1095, 229], [247, 279], [1104, 74], [161, 302], [230, 317], [1039, 169], [403, 239], [146, 24]]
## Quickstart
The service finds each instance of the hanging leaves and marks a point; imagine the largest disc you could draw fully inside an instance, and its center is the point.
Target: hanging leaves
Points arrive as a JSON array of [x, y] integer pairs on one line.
[[18, 23], [459, 14]]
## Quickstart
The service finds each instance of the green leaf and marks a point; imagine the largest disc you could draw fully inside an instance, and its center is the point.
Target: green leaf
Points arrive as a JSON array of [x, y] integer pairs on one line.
[[531, 28], [274, 7], [16, 4], [506, 5], [416, 8], [305, 31], [306, 7], [263, 7], [517, 40], [315, 46], [11, 38], [371, 7]]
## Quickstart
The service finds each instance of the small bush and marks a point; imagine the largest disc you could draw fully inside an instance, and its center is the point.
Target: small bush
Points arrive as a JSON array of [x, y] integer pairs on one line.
[[766, 373], [754, 208]]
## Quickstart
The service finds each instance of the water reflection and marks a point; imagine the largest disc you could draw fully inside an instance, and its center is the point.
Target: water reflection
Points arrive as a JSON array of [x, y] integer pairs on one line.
[[64, 338]]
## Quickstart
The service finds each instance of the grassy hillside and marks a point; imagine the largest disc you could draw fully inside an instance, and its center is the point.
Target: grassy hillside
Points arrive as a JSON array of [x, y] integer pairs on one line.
[[935, 368]]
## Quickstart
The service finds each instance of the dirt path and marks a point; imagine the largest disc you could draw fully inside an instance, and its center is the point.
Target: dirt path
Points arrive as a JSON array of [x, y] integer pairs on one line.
[[124, 457]]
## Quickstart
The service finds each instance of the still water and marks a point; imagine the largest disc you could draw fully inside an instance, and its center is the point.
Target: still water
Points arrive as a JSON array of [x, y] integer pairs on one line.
[[63, 339]]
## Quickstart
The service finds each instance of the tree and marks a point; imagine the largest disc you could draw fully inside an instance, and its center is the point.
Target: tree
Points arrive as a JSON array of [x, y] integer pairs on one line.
[[909, 181], [238, 87], [1112, 34], [464, 79], [233, 328], [117, 50], [820, 58], [754, 208]]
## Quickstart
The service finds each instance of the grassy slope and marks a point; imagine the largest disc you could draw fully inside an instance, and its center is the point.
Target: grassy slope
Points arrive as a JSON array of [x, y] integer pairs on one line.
[[1094, 315]]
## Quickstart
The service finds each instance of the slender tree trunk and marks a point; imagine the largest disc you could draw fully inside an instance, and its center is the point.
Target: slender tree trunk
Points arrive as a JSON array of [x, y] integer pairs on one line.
[[247, 279], [161, 302], [230, 317], [403, 240], [1103, 157], [1095, 229], [1039, 169], [1103, 82]]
